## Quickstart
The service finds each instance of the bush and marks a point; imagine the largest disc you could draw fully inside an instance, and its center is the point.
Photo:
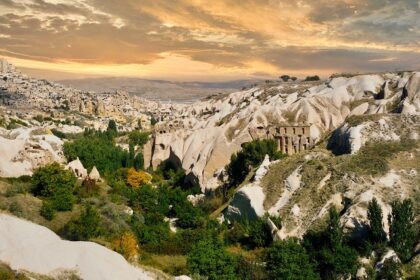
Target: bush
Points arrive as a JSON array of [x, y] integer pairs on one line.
[[47, 210], [16, 209], [377, 234], [287, 259], [85, 227], [55, 184], [208, 258]]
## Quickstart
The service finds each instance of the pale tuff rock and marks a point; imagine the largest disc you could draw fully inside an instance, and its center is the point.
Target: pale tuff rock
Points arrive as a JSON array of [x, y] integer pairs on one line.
[[195, 199], [34, 248], [349, 139], [77, 168], [210, 131], [388, 255], [262, 170], [248, 201], [94, 174], [390, 179], [292, 183], [24, 149]]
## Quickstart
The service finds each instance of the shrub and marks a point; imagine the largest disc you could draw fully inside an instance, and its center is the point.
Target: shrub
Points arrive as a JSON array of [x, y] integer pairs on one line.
[[287, 259], [47, 210], [85, 227], [208, 258], [126, 245], [16, 209]]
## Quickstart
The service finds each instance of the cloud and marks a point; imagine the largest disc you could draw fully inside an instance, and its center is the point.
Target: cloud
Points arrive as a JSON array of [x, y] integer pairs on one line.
[[221, 37]]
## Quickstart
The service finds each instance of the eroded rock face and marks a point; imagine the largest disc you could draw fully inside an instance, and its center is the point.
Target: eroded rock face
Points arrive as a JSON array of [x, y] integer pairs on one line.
[[349, 138], [209, 132], [24, 149]]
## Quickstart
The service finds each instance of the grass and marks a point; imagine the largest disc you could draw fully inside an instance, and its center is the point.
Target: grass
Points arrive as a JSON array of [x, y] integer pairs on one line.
[[356, 120], [372, 159], [273, 181], [171, 264], [240, 125]]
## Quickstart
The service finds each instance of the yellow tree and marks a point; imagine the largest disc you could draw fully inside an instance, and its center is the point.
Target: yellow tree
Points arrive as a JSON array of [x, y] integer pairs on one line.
[[126, 245], [137, 178]]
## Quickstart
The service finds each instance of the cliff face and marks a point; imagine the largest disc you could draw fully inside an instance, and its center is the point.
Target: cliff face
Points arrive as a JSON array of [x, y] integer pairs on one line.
[[203, 136]]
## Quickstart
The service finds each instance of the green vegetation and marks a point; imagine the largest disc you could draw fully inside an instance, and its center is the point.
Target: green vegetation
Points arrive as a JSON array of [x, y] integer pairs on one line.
[[402, 232], [287, 259], [209, 258], [6, 273], [56, 185], [85, 227], [330, 250], [312, 78], [377, 234], [98, 149], [372, 158], [251, 155]]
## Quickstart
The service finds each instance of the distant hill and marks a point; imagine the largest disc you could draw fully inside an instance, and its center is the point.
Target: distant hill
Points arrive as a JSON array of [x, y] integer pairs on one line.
[[159, 90]]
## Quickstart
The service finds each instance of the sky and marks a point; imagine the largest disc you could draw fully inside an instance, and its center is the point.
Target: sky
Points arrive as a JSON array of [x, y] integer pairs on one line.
[[204, 40]]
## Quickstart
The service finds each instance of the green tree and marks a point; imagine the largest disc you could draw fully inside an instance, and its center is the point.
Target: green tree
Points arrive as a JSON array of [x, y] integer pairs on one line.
[[376, 231], [402, 231], [208, 258], [112, 126], [98, 149], [335, 258], [287, 259], [86, 226], [55, 184], [251, 155], [138, 138]]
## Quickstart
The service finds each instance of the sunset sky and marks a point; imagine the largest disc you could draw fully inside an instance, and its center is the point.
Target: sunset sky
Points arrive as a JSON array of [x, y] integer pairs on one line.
[[209, 40]]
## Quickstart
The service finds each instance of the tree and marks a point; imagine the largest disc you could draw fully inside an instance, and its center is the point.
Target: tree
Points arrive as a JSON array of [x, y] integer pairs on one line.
[[312, 78], [137, 178], [97, 149], [260, 233], [138, 138], [55, 184], [287, 259], [402, 232], [376, 231], [126, 245], [285, 78], [208, 258], [112, 126], [86, 226], [335, 258], [251, 155]]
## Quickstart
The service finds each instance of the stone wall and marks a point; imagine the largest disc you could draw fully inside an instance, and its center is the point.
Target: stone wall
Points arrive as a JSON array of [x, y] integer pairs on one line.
[[291, 139]]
